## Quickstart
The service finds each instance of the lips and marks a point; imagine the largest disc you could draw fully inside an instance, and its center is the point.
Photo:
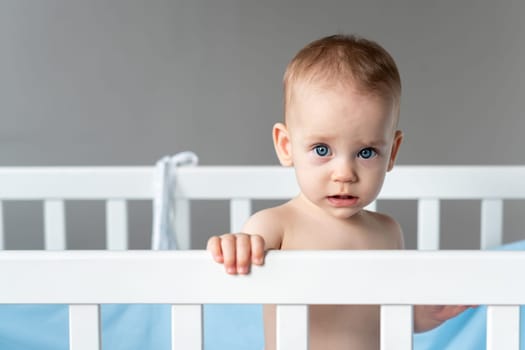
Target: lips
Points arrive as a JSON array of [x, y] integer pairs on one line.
[[342, 200], [342, 196]]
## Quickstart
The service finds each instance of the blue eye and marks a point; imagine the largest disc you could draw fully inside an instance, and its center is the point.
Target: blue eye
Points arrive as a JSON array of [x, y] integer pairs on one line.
[[322, 150], [367, 153]]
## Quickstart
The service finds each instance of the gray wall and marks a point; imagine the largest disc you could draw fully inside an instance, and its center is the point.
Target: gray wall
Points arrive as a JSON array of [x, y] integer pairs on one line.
[[126, 82]]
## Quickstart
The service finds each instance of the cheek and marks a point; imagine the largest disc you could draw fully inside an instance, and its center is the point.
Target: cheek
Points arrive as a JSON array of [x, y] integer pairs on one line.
[[373, 178], [310, 179], [307, 178]]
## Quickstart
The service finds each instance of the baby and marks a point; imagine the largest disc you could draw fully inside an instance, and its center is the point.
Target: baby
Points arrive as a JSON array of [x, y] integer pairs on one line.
[[341, 107]]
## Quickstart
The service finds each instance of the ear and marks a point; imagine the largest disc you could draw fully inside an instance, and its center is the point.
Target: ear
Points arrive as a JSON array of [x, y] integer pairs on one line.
[[282, 144], [398, 139]]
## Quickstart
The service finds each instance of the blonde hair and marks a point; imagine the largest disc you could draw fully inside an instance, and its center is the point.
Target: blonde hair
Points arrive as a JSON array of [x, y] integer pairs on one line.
[[346, 59]]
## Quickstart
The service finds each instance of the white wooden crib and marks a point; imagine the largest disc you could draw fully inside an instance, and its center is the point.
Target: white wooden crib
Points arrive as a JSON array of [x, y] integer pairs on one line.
[[394, 279]]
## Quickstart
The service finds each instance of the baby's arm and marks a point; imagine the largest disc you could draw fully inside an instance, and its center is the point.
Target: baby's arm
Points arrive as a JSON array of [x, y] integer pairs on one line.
[[237, 251]]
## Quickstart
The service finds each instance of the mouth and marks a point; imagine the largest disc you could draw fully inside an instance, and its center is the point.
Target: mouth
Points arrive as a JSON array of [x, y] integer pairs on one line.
[[342, 196], [342, 200]]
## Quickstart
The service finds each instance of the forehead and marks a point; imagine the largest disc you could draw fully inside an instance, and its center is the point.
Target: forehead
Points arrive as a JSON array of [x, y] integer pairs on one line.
[[328, 107]]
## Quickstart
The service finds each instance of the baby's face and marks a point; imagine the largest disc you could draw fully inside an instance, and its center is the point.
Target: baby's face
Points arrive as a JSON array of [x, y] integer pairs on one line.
[[342, 144]]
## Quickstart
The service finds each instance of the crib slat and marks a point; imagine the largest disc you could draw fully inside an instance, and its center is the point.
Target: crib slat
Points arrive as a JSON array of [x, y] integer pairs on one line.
[[240, 211], [84, 327], [428, 224], [396, 327], [182, 219], [503, 327], [2, 236], [54, 225], [491, 223], [116, 225], [292, 327], [186, 327]]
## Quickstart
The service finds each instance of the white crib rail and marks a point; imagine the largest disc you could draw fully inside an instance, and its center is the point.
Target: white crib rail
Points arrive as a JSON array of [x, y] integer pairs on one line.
[[55, 185], [428, 184], [256, 182], [289, 278]]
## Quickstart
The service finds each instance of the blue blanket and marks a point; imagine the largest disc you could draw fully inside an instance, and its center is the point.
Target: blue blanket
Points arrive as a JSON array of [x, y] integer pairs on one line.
[[232, 327]]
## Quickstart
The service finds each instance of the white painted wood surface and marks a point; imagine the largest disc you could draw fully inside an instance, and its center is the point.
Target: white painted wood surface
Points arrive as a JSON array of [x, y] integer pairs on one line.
[[503, 327], [181, 218], [491, 223], [186, 327], [409, 277], [54, 225], [428, 224], [255, 182], [446, 182], [291, 327], [38, 183], [84, 327], [383, 277], [396, 327], [116, 224]]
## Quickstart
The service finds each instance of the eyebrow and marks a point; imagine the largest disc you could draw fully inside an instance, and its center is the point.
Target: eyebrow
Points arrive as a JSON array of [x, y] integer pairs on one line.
[[324, 138], [318, 137], [377, 143]]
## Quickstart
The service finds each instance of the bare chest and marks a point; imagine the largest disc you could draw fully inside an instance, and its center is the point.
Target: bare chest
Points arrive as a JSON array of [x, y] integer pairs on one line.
[[336, 327], [312, 234]]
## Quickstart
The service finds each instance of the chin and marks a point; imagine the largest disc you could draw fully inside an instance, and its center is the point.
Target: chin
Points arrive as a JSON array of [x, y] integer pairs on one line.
[[344, 213]]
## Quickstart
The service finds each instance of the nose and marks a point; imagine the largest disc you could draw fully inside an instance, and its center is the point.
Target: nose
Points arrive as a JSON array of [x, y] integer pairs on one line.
[[344, 172]]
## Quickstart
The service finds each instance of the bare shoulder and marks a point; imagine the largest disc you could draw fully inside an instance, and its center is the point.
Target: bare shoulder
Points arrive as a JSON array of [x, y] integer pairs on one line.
[[263, 220], [389, 227], [268, 223]]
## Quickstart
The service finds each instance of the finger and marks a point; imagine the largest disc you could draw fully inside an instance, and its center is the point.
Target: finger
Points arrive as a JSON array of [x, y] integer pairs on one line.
[[244, 253], [257, 249], [228, 253], [214, 247]]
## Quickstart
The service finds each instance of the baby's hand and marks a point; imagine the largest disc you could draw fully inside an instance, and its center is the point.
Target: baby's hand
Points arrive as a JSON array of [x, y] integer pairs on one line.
[[430, 316], [237, 251]]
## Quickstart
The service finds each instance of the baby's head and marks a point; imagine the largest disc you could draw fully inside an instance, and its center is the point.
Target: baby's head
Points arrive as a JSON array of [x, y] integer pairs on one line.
[[344, 65], [343, 61], [342, 97]]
